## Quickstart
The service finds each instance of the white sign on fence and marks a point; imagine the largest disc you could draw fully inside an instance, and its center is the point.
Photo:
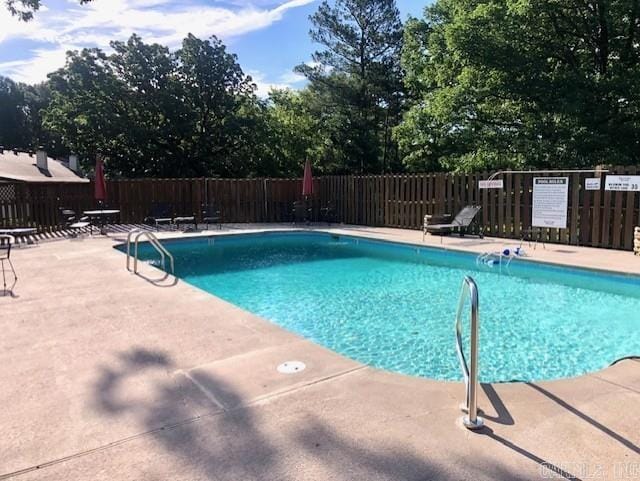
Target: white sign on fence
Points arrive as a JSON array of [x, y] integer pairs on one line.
[[592, 184], [624, 183], [491, 184], [550, 201]]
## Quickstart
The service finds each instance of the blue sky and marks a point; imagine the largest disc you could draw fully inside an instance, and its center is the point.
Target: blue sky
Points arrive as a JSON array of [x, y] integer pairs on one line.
[[270, 37]]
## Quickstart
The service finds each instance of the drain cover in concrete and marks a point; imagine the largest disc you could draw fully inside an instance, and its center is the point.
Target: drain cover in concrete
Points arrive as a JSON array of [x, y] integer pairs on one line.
[[291, 367]]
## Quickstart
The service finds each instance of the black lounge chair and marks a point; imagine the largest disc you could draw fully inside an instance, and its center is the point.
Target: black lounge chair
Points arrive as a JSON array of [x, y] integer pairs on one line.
[[460, 223], [328, 214], [160, 214], [6, 241], [301, 213], [211, 215], [186, 219]]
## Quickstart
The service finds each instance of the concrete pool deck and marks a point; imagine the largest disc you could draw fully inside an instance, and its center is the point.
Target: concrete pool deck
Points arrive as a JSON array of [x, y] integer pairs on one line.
[[106, 376]]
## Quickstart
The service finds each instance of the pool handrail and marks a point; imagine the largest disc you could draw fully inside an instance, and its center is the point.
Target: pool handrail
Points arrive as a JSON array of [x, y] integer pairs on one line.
[[153, 241], [469, 288], [129, 235]]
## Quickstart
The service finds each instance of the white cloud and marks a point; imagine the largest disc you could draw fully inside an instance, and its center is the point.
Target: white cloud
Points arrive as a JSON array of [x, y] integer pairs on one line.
[[287, 80], [292, 78], [38, 65], [95, 24]]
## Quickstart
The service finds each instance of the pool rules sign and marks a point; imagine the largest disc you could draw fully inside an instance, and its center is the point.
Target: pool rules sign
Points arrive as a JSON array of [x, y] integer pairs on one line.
[[550, 202]]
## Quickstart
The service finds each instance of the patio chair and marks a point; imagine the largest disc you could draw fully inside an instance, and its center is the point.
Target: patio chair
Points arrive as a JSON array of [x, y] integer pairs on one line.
[[6, 241], [460, 223], [160, 214], [328, 214], [178, 220], [74, 222], [301, 213], [211, 215]]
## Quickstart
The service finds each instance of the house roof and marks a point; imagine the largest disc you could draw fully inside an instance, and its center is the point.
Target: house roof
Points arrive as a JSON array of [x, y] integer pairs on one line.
[[21, 167]]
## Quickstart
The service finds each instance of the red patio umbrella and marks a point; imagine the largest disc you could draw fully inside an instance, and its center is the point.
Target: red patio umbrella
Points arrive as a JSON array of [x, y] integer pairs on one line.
[[307, 182], [101, 185]]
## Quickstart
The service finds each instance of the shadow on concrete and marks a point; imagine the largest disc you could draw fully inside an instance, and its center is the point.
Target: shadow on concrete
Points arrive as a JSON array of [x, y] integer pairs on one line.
[[503, 416], [340, 454], [601, 427], [547, 470], [109, 381], [229, 442]]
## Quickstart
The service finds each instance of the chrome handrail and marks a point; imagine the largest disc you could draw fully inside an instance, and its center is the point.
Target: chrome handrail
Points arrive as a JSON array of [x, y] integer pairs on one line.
[[131, 232], [153, 240], [470, 373]]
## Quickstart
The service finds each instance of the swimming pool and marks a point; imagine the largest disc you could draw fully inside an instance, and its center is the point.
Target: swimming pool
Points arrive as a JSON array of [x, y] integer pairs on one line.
[[392, 305]]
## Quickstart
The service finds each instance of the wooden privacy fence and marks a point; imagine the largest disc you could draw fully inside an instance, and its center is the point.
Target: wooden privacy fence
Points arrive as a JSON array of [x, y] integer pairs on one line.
[[36, 205], [595, 218], [240, 200]]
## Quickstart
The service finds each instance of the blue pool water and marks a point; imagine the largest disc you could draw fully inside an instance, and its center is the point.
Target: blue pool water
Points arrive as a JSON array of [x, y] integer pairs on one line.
[[393, 306]]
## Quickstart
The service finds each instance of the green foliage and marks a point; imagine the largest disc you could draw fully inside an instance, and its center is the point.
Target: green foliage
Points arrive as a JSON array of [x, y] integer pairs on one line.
[[475, 84], [88, 106], [303, 126], [194, 112], [154, 113], [496, 83], [219, 99], [293, 132], [21, 117], [151, 130], [355, 82], [13, 118]]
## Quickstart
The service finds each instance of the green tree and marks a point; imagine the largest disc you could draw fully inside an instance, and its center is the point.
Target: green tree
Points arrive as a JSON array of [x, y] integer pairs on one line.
[[14, 121], [496, 83], [21, 108], [156, 113], [155, 121], [88, 107], [37, 98], [294, 133], [357, 76], [220, 98]]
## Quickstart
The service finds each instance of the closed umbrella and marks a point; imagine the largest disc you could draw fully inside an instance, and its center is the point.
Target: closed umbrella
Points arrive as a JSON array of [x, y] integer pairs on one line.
[[307, 182], [101, 185], [307, 189]]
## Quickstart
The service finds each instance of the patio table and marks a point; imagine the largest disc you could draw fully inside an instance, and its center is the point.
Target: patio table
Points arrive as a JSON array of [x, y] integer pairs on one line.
[[102, 216], [21, 232]]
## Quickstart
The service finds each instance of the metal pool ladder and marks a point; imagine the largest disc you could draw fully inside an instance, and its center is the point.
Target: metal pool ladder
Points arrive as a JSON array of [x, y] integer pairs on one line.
[[469, 289], [153, 240]]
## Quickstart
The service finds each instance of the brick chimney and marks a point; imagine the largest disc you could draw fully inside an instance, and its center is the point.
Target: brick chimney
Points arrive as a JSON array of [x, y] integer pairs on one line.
[[73, 163], [41, 159]]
